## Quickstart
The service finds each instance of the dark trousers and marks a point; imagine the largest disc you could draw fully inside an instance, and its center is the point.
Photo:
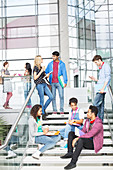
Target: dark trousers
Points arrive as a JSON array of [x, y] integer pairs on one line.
[[82, 143]]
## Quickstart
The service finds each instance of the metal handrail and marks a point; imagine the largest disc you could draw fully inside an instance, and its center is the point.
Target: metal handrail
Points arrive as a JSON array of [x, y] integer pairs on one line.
[[17, 120], [109, 125], [111, 95]]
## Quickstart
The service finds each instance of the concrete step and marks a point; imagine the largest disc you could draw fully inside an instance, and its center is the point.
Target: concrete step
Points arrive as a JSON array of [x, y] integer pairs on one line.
[[14, 167], [56, 160], [107, 134], [58, 127], [4, 161], [62, 168], [58, 151], [65, 116], [63, 119], [4, 111]]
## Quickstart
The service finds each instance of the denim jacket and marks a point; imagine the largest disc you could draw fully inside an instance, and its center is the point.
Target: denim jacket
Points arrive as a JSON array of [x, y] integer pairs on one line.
[[61, 71]]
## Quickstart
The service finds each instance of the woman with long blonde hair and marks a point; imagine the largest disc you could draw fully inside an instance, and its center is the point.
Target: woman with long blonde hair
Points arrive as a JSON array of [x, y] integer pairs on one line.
[[41, 86]]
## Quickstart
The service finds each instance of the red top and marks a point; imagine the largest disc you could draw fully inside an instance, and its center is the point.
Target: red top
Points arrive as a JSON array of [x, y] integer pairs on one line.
[[55, 72], [101, 65], [92, 121]]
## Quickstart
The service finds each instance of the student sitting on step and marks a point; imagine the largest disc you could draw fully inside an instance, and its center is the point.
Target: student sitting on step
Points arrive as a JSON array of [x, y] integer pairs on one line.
[[91, 139], [76, 115], [37, 134]]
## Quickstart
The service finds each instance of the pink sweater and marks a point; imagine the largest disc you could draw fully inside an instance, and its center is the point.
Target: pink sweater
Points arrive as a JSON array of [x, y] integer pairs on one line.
[[96, 132]]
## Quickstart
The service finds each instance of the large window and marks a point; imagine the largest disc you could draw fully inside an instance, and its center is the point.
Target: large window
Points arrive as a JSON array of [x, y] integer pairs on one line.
[[28, 28], [104, 30], [82, 41]]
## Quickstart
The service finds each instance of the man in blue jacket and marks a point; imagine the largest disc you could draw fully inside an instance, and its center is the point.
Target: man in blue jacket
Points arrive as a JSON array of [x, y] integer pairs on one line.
[[58, 80]]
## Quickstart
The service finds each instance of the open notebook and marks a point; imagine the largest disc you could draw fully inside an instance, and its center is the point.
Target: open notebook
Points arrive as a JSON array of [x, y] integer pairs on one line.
[[76, 124], [52, 133], [78, 132]]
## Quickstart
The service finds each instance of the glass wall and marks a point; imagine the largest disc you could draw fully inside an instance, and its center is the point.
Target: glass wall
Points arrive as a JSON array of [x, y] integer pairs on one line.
[[27, 28], [90, 32], [82, 42], [30, 27], [104, 33]]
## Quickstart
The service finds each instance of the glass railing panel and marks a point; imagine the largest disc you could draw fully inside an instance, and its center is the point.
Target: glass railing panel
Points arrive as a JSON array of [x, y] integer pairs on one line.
[[90, 90], [20, 85], [109, 109], [17, 144]]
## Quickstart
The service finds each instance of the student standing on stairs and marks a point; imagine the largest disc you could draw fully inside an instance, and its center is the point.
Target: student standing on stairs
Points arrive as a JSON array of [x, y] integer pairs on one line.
[[76, 115], [27, 82], [7, 88], [37, 134], [91, 139], [102, 83], [58, 80], [41, 86]]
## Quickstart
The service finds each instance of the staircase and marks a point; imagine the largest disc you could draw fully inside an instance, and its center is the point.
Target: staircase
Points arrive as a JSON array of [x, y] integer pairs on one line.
[[51, 158]]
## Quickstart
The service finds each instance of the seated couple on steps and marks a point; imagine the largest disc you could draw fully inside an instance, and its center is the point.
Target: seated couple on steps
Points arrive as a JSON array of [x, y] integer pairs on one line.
[[91, 139]]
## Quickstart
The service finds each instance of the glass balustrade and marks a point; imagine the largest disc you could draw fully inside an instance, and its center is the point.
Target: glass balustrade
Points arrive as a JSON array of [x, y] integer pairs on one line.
[[20, 87], [19, 138]]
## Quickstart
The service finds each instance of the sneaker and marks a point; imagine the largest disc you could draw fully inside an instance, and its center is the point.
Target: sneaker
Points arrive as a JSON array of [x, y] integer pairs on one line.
[[63, 147], [45, 113], [28, 106], [70, 166], [36, 155], [44, 117], [11, 154], [13, 146], [54, 112], [63, 144], [61, 113], [67, 155]]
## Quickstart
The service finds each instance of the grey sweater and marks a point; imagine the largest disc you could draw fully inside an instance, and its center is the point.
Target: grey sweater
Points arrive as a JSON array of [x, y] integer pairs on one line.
[[33, 130]]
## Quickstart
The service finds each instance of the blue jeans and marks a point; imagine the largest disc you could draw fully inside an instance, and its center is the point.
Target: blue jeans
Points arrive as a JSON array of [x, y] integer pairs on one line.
[[27, 88], [65, 131], [48, 141], [99, 103], [13, 140], [41, 89], [61, 95]]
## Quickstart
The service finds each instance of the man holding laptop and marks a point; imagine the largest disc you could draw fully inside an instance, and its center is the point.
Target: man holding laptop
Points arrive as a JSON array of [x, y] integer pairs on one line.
[[102, 83]]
